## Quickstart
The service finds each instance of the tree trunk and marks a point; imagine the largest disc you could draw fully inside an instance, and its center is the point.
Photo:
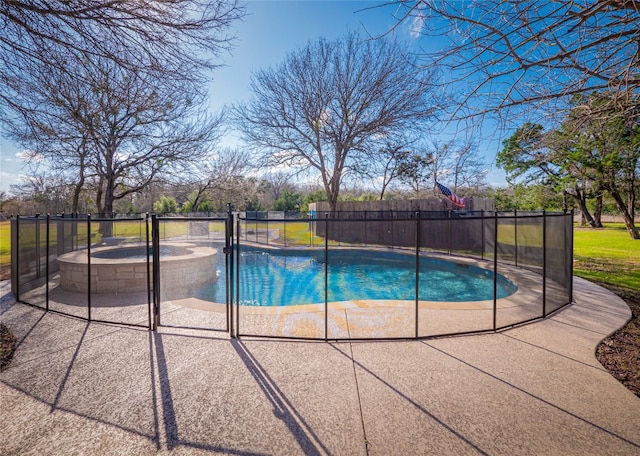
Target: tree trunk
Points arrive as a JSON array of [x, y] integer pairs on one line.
[[333, 204], [597, 214], [106, 228], [78, 187], [622, 207], [632, 207], [582, 204], [384, 189], [76, 195], [99, 195]]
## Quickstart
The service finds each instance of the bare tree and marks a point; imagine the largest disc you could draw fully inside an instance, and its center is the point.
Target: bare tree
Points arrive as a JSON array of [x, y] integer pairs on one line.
[[218, 174], [417, 167], [277, 183], [121, 128], [457, 164], [176, 35], [386, 164], [513, 53], [90, 50], [467, 168], [439, 155], [328, 104], [43, 192]]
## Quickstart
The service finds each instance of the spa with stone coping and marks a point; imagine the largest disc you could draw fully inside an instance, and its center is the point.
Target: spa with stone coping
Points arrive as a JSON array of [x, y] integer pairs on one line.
[[123, 269]]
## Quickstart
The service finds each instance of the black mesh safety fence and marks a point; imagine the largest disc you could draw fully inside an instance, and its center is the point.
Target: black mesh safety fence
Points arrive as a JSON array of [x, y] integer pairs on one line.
[[66, 264], [529, 230], [120, 271], [506, 246], [435, 235], [520, 252], [31, 269], [279, 294], [69, 267], [362, 275], [492, 265], [558, 263], [455, 277], [489, 234], [376, 255], [192, 287], [468, 236]]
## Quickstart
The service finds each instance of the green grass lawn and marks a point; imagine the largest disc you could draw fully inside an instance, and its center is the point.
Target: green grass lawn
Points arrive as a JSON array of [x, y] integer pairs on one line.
[[5, 243], [607, 256]]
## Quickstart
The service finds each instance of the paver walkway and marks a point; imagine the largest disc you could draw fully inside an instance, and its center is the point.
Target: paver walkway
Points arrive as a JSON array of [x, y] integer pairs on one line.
[[79, 388]]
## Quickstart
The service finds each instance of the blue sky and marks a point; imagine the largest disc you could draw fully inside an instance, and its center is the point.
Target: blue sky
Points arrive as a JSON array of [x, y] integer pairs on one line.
[[270, 31]]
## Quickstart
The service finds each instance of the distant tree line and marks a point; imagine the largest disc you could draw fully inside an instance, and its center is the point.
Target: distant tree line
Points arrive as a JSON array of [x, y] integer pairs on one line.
[[263, 195]]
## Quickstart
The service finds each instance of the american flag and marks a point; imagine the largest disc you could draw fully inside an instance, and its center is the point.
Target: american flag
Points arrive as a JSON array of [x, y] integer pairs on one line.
[[455, 199]]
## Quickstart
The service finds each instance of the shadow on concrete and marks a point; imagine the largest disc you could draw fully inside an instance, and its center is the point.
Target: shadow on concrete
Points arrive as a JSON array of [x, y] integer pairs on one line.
[[418, 406], [536, 397], [309, 442]]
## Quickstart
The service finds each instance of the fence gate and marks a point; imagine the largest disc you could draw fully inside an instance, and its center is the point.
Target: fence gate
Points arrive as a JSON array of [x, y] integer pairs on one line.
[[192, 272]]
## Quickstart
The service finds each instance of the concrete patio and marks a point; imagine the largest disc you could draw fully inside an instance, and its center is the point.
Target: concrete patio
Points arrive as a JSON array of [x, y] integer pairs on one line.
[[88, 388]]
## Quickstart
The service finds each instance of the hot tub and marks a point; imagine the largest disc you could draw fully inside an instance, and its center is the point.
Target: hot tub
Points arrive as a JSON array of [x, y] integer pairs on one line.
[[123, 269]]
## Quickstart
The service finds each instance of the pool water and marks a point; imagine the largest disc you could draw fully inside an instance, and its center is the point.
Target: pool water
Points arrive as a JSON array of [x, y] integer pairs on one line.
[[138, 253], [282, 278]]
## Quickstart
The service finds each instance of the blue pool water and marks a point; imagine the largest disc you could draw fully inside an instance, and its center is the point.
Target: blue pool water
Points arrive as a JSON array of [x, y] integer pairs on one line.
[[138, 252], [282, 278]]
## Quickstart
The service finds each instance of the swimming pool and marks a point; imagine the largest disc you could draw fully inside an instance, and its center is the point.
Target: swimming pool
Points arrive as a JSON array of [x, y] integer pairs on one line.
[[294, 277]]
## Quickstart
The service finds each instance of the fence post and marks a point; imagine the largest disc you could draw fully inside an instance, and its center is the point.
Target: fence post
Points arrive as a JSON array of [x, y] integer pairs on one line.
[[46, 267], [418, 242], [449, 234], [155, 251], [544, 263], [515, 234], [495, 271], [149, 277], [570, 256], [237, 277], [89, 267], [38, 256], [482, 232], [228, 235], [326, 276], [15, 258]]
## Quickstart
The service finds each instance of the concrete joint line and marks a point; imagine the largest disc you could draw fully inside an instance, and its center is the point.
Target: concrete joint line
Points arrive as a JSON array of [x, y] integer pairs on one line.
[[355, 376]]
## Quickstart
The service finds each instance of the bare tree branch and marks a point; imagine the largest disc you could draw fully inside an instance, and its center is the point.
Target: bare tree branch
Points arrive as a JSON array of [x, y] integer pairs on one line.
[[113, 125], [513, 55], [327, 106]]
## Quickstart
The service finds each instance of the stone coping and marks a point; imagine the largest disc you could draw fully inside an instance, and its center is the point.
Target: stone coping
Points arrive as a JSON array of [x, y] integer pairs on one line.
[[80, 256], [191, 266]]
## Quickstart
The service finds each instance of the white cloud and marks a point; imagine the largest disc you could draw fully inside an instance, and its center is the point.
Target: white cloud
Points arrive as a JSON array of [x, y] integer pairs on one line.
[[289, 160], [417, 25], [8, 179], [29, 155]]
